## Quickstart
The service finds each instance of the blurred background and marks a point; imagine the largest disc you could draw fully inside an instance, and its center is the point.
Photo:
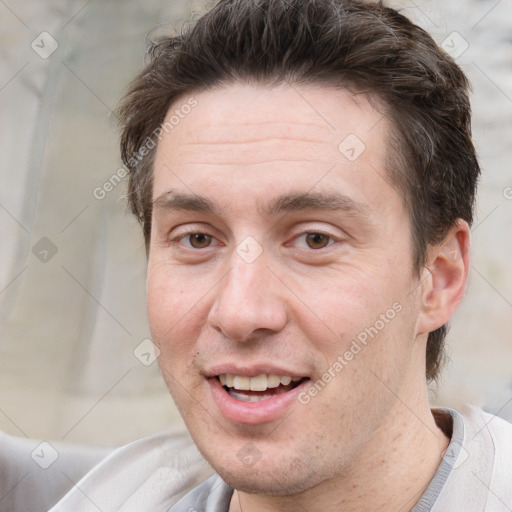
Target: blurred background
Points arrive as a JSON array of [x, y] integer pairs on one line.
[[75, 360]]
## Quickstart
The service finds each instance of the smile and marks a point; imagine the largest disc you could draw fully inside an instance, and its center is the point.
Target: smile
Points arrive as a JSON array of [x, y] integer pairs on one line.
[[255, 389], [257, 399]]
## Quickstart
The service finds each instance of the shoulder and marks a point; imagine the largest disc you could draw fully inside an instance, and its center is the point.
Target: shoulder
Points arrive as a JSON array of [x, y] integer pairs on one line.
[[149, 474], [492, 434], [481, 474], [34, 474], [476, 420]]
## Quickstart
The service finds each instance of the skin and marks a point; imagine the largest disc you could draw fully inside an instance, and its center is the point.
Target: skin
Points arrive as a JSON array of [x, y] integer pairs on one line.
[[368, 437]]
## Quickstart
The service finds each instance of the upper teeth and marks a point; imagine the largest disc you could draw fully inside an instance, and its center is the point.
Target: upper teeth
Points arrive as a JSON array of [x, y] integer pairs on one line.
[[259, 383]]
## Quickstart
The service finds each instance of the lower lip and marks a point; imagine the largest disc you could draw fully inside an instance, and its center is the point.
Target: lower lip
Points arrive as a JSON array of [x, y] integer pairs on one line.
[[253, 413]]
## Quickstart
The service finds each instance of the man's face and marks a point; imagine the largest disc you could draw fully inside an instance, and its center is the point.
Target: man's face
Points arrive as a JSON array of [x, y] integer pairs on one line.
[[281, 260]]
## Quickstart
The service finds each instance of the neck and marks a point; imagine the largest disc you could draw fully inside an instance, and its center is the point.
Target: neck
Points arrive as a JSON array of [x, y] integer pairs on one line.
[[390, 474]]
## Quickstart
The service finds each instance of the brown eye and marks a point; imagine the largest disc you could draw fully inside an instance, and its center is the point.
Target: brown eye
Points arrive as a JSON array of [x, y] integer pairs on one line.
[[317, 240], [199, 240]]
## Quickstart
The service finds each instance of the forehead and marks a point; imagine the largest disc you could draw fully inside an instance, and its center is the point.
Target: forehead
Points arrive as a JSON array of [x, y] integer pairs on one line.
[[321, 111], [279, 133]]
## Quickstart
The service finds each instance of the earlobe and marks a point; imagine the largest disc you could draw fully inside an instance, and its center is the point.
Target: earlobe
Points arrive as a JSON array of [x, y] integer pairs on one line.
[[443, 289]]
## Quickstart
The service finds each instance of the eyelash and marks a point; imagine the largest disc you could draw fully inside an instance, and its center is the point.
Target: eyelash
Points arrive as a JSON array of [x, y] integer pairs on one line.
[[331, 238], [189, 234], [182, 236]]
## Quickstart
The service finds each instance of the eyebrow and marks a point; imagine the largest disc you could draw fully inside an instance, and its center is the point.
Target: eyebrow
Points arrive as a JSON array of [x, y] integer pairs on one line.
[[186, 202], [293, 202], [314, 201]]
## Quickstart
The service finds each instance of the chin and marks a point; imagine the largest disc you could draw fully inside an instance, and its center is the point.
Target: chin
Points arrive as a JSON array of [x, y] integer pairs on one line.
[[268, 477], [261, 482]]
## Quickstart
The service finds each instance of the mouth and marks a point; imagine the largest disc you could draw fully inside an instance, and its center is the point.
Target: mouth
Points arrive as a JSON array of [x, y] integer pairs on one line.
[[259, 388], [254, 395]]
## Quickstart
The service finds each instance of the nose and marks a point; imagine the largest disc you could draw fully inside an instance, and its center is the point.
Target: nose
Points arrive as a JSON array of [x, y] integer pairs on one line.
[[249, 301]]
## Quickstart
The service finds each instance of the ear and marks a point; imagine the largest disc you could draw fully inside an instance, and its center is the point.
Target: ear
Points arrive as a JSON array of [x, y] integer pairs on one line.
[[444, 278]]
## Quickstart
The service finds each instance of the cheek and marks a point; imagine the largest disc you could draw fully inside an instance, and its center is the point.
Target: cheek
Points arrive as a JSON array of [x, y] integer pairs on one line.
[[170, 307], [365, 313], [174, 326], [350, 299]]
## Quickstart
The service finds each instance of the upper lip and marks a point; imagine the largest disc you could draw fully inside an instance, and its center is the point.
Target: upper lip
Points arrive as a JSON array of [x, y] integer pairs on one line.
[[252, 370]]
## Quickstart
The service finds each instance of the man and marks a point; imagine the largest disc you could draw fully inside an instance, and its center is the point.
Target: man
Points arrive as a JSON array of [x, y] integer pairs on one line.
[[305, 178]]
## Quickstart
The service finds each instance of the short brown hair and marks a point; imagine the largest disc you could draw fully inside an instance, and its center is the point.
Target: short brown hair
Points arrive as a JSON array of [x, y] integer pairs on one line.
[[354, 44]]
